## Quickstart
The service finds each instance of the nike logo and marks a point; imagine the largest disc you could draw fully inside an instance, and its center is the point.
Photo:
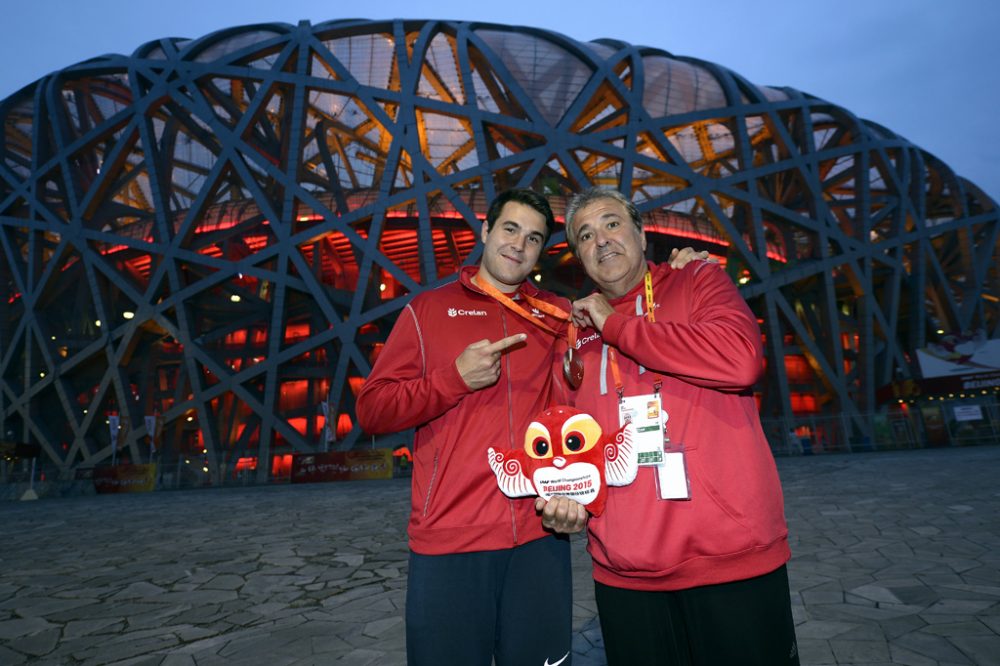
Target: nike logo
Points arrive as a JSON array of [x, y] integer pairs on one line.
[[556, 663]]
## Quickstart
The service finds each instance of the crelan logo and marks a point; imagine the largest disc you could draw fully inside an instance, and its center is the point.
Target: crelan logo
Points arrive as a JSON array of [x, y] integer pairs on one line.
[[589, 338], [456, 312]]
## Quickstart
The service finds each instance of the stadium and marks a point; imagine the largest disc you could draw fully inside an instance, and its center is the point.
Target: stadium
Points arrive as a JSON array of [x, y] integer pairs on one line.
[[205, 243]]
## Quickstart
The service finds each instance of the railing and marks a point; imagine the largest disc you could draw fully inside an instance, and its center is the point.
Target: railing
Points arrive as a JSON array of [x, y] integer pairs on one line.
[[928, 424], [969, 422]]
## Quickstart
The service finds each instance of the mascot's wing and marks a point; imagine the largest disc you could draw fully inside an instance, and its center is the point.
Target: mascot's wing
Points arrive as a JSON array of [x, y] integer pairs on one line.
[[510, 474], [621, 460]]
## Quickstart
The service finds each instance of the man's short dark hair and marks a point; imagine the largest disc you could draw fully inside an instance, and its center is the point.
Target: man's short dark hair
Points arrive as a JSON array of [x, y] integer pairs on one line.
[[529, 198], [587, 197]]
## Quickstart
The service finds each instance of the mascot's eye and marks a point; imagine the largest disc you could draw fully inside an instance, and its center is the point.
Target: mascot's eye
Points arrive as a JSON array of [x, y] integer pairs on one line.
[[580, 433], [574, 442], [536, 441]]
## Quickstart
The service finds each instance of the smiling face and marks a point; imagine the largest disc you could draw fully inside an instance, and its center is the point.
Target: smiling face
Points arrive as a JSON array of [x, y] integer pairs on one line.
[[511, 249], [610, 246]]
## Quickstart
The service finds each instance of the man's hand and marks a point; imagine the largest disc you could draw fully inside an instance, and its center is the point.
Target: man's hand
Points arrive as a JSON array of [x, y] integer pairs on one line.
[[591, 311], [562, 515], [479, 364], [680, 258]]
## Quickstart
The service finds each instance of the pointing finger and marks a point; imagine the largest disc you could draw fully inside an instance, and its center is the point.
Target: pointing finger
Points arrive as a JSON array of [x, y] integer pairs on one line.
[[509, 341]]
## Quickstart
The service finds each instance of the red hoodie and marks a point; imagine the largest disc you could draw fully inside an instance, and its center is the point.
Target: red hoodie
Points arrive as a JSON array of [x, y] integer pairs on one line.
[[706, 346], [456, 505]]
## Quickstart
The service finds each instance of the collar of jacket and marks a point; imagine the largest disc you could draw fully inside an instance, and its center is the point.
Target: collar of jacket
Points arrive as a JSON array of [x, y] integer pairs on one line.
[[658, 271], [466, 274]]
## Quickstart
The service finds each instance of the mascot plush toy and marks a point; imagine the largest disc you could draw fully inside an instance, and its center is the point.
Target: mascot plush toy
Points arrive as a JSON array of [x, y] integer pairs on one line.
[[566, 453]]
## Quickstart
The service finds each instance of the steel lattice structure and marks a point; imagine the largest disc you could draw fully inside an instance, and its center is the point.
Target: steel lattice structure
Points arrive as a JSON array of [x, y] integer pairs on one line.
[[222, 230]]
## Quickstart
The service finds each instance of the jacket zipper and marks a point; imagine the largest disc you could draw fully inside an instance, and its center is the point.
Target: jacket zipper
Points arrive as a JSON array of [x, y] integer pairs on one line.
[[510, 423], [430, 486]]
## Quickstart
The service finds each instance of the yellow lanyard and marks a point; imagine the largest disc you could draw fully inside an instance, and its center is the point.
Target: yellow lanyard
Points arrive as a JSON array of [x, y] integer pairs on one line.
[[613, 356]]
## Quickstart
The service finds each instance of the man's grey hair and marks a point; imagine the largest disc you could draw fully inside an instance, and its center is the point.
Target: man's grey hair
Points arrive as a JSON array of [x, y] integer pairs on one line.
[[592, 195]]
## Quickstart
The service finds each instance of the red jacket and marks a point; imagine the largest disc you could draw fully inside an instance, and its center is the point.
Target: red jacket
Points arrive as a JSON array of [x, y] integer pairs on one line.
[[456, 505], [706, 346]]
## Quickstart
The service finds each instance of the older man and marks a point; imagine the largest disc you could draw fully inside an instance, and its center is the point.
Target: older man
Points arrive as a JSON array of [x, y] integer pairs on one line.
[[689, 560]]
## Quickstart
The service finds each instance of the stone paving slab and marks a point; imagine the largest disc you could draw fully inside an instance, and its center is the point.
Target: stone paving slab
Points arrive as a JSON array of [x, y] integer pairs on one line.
[[896, 560]]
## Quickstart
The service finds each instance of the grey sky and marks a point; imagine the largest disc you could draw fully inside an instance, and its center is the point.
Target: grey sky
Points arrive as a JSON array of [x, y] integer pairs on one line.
[[928, 70]]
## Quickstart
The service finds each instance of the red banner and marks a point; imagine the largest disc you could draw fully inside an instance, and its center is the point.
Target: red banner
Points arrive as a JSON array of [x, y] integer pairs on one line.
[[125, 479], [342, 465]]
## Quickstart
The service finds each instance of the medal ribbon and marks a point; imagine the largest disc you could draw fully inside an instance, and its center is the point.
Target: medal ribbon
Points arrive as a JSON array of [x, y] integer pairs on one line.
[[548, 308]]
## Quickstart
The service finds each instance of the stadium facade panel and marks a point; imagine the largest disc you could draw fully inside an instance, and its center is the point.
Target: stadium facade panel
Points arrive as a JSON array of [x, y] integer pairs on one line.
[[205, 243]]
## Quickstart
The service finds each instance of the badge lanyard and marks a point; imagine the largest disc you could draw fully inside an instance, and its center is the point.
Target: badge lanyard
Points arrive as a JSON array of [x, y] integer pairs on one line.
[[646, 412], [613, 356]]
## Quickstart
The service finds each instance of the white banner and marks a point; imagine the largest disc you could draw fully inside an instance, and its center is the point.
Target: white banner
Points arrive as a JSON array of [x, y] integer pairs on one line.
[[960, 355], [968, 413]]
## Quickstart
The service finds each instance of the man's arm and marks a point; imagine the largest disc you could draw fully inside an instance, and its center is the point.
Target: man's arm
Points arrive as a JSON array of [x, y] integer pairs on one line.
[[718, 347], [402, 393]]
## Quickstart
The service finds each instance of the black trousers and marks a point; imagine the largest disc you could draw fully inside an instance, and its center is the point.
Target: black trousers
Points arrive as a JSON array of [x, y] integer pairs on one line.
[[504, 607], [745, 623]]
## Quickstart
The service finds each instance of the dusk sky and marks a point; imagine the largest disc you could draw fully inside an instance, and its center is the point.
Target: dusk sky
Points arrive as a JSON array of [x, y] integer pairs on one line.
[[927, 70]]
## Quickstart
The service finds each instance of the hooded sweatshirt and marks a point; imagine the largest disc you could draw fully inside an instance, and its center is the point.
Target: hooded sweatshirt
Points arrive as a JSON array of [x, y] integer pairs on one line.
[[705, 348]]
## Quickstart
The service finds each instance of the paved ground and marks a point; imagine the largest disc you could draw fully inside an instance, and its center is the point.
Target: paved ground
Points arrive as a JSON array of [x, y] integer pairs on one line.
[[896, 561]]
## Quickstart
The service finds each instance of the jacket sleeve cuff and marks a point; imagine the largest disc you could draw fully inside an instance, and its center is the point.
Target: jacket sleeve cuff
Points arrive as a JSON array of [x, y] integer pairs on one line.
[[452, 384], [613, 326]]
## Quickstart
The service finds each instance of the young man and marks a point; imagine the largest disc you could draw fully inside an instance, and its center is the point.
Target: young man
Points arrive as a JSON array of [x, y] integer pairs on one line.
[[486, 580], [689, 560]]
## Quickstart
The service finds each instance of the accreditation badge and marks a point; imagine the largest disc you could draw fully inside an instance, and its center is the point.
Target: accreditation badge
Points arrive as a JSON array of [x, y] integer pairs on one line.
[[671, 475], [645, 413], [654, 448]]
